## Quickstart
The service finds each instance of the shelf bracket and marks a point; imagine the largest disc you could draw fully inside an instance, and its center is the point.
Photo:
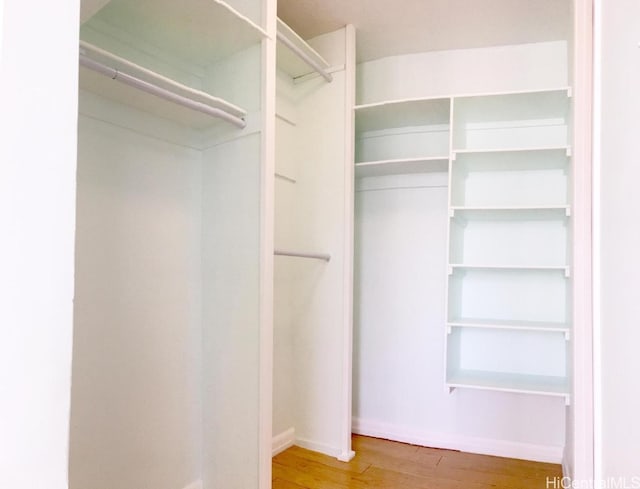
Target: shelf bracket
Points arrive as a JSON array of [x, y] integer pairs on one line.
[[567, 335]]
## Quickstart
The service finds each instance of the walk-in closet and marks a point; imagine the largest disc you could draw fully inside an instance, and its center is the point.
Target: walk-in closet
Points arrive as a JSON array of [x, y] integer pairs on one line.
[[292, 228]]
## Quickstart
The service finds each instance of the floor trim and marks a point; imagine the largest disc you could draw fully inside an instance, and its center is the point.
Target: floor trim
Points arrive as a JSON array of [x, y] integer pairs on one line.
[[483, 446]]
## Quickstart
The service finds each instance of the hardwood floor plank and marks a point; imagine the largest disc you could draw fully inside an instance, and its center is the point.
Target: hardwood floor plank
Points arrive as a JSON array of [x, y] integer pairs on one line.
[[384, 464], [283, 484], [314, 474], [379, 478], [499, 465], [412, 464], [398, 449], [356, 465]]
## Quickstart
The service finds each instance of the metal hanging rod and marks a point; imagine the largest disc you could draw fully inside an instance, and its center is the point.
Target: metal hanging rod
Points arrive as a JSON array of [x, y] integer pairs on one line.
[[300, 254], [304, 56], [160, 92]]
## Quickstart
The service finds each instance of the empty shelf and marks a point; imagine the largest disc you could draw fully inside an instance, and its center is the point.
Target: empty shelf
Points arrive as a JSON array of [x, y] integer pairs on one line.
[[498, 381], [402, 166]]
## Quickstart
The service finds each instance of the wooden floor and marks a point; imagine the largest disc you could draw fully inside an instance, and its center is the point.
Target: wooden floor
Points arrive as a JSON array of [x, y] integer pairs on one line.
[[386, 464]]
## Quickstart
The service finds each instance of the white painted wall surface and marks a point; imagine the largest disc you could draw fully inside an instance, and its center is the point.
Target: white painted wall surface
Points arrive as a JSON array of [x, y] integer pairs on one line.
[[231, 313], [619, 238], [464, 71], [136, 405], [286, 237], [37, 210]]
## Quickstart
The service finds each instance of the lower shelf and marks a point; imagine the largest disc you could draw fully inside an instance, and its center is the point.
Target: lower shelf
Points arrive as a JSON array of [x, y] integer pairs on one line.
[[402, 166], [497, 381]]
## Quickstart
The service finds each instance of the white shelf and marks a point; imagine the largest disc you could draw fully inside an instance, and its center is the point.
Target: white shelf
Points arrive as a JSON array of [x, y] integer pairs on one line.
[[107, 87], [564, 149], [532, 268], [402, 166], [198, 32], [510, 325], [564, 91], [523, 213], [290, 62], [518, 383], [402, 113], [169, 45]]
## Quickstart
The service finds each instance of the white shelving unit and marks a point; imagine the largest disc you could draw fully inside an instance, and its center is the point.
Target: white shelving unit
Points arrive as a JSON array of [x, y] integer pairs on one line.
[[169, 45], [509, 240]]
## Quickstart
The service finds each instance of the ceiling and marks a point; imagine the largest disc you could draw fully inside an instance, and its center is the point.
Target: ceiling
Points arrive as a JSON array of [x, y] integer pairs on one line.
[[392, 27]]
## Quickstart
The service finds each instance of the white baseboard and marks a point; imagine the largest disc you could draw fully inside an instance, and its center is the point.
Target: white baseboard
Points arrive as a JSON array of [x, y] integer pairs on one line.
[[319, 447], [484, 446], [194, 485], [283, 441], [288, 438]]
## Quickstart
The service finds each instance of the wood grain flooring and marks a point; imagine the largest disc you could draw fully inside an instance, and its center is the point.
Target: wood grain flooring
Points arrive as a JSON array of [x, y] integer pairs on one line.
[[384, 464]]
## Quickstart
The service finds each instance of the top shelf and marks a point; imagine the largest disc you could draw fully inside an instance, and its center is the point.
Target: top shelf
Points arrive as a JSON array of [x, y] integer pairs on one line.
[[402, 113], [195, 32], [296, 57]]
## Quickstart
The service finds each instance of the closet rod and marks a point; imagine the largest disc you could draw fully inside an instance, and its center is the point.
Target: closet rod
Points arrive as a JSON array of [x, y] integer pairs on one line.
[[299, 254], [115, 74], [304, 56]]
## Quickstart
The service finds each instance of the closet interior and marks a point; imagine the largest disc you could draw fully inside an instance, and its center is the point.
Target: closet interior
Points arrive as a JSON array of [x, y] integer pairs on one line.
[[463, 249], [279, 244], [194, 128]]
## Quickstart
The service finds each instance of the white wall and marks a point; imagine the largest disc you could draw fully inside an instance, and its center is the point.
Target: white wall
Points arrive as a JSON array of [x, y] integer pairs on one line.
[[619, 238], [231, 313], [136, 404], [464, 71], [286, 235], [37, 197]]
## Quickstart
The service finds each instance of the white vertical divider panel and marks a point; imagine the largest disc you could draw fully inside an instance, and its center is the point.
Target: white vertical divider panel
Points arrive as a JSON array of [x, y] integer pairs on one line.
[[349, 218], [37, 197], [319, 344], [579, 452], [267, 224], [450, 186], [319, 321]]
